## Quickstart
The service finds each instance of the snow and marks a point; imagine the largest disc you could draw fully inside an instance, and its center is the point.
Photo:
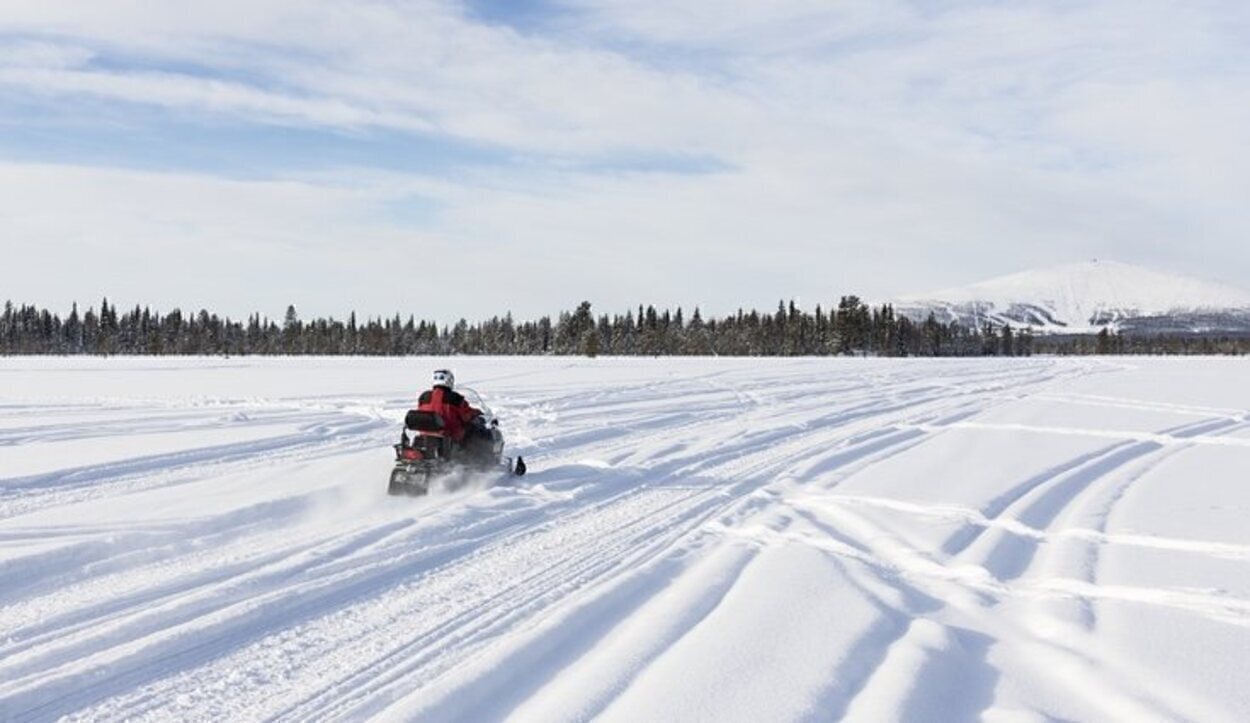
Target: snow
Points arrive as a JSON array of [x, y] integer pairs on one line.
[[699, 539], [1078, 298]]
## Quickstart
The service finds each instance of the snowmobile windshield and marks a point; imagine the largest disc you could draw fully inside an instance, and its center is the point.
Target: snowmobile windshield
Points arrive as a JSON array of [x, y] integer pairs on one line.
[[475, 399]]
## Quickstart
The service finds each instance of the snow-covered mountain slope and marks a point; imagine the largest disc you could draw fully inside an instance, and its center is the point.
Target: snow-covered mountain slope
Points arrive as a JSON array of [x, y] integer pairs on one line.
[[1085, 297], [727, 540]]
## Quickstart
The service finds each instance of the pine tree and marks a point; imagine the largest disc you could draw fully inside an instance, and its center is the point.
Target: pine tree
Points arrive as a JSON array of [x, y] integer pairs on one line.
[[1104, 341], [291, 329], [590, 343]]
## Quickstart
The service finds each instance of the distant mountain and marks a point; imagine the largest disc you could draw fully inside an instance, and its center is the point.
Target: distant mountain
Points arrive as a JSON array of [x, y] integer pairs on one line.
[[1086, 297]]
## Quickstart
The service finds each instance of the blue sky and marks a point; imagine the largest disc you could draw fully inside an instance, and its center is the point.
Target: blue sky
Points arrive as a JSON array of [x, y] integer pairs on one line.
[[460, 159]]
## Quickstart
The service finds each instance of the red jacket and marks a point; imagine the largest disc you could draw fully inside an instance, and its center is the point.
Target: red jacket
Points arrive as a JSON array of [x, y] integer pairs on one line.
[[452, 407]]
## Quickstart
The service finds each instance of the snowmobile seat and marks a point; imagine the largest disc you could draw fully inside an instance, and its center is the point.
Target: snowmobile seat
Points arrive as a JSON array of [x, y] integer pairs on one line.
[[424, 421]]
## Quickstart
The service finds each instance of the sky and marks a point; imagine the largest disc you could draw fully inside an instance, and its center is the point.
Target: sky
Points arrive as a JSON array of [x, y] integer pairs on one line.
[[462, 159]]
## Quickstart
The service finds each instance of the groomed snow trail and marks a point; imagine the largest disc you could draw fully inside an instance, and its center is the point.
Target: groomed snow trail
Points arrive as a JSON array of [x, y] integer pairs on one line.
[[815, 539]]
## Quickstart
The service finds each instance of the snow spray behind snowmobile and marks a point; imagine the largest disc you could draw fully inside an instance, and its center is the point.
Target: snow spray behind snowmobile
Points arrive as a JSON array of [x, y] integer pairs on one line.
[[425, 451]]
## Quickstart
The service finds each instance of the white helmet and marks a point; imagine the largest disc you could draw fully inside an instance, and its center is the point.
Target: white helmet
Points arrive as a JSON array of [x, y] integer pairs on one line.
[[444, 378]]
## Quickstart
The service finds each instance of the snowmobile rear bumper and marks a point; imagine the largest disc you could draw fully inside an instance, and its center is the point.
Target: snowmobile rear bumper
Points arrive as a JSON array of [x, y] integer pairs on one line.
[[410, 479]]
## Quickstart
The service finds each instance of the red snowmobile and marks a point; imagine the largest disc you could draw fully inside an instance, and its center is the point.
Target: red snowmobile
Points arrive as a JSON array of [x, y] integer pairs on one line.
[[427, 452]]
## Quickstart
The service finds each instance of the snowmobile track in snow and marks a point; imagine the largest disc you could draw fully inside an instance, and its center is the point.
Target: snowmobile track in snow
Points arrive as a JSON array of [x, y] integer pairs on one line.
[[270, 578]]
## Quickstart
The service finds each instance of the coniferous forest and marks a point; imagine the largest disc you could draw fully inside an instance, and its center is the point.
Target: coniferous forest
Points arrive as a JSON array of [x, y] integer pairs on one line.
[[849, 328]]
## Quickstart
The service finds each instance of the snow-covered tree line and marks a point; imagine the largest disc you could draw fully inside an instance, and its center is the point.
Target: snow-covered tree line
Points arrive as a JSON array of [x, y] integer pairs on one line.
[[851, 327], [1108, 342], [848, 327]]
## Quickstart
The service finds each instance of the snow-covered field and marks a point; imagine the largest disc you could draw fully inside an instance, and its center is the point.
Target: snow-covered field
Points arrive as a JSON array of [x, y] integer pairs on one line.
[[698, 540]]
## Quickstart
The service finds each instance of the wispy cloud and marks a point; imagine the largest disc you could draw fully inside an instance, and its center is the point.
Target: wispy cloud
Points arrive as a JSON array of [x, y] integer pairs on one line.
[[790, 147]]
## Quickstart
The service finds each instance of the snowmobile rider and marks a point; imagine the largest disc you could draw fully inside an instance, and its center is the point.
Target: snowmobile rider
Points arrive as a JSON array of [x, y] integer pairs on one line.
[[443, 400]]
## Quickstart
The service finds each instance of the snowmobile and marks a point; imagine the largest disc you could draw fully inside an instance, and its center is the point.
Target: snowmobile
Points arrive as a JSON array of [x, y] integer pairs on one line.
[[425, 452]]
